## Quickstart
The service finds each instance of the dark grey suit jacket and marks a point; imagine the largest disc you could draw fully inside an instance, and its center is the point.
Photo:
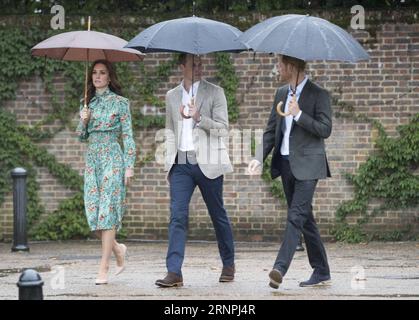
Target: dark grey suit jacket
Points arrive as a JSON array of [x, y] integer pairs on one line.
[[307, 150]]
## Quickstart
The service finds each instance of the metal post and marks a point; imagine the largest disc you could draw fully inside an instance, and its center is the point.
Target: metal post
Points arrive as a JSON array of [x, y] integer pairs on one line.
[[20, 242], [30, 285]]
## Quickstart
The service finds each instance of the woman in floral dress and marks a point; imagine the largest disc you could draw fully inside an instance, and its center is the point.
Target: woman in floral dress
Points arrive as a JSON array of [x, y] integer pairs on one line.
[[108, 169]]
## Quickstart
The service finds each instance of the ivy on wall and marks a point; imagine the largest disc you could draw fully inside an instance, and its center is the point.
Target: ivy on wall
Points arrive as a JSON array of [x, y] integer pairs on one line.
[[18, 142], [227, 79], [387, 175]]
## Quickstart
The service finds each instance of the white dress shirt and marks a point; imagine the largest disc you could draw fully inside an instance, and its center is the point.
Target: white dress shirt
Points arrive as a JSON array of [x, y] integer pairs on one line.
[[285, 146], [186, 141]]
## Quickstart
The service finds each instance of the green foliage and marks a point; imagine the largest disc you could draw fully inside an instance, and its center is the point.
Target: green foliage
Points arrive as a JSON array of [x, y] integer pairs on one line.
[[349, 234], [146, 91], [387, 175], [277, 189], [185, 7], [10, 157], [228, 80], [18, 142], [67, 222]]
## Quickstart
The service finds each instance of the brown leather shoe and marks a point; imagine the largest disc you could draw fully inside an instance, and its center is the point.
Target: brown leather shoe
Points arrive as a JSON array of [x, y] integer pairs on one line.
[[227, 274], [275, 277], [171, 280]]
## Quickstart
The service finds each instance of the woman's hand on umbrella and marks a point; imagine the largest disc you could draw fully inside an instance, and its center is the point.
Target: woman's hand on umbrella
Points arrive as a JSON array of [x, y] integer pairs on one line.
[[129, 173], [85, 114]]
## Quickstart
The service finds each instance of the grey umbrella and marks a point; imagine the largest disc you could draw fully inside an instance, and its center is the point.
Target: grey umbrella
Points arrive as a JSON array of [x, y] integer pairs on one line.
[[192, 35], [305, 38]]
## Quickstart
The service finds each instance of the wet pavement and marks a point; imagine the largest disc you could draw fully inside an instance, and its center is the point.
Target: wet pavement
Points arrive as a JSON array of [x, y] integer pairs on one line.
[[363, 271]]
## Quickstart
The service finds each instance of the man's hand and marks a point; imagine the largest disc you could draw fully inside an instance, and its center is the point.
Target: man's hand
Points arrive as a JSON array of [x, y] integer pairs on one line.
[[293, 107], [193, 111], [254, 167]]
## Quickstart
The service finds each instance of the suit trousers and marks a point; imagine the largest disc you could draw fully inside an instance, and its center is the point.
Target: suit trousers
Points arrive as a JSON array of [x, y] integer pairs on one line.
[[183, 180], [300, 219]]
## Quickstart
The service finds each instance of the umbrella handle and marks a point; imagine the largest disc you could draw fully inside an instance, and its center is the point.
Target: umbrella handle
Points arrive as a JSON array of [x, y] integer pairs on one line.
[[182, 107], [278, 109]]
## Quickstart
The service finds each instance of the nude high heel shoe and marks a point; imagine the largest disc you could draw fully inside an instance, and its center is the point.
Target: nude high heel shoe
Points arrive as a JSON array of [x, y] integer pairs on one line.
[[104, 280], [101, 281], [124, 252]]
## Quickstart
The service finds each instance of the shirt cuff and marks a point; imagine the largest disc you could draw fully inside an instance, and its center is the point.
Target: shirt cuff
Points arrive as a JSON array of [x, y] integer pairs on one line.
[[298, 116], [199, 121]]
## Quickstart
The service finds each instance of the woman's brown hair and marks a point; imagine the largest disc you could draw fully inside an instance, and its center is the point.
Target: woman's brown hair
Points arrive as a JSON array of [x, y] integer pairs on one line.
[[113, 84]]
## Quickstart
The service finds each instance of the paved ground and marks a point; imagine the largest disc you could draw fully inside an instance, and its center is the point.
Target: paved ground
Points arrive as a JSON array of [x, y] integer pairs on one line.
[[373, 271]]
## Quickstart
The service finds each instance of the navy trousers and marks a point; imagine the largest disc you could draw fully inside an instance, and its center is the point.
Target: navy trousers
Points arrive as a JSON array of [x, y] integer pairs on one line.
[[183, 180]]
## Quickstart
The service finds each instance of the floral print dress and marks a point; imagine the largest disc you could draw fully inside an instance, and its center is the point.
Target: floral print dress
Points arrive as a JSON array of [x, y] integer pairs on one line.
[[106, 163]]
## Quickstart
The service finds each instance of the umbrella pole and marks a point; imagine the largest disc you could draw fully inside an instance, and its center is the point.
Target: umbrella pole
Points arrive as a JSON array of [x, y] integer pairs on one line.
[[192, 98], [296, 83], [294, 95], [85, 84], [85, 69], [193, 66]]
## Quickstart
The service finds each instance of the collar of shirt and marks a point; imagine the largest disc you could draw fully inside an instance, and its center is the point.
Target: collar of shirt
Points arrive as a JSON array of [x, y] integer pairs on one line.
[[300, 87], [103, 94], [195, 89]]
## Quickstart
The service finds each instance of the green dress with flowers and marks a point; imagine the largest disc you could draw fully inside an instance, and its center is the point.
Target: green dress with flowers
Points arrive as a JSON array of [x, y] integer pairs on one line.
[[106, 163]]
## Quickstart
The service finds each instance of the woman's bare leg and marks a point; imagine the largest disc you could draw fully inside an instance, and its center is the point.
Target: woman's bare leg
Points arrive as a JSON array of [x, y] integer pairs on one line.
[[116, 249], [108, 238]]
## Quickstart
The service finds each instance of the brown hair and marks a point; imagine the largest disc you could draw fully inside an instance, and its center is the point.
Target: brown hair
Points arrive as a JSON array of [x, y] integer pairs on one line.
[[113, 85], [182, 58], [299, 64]]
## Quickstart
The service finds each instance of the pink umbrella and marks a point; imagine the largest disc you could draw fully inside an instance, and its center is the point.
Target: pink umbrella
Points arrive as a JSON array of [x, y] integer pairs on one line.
[[86, 46]]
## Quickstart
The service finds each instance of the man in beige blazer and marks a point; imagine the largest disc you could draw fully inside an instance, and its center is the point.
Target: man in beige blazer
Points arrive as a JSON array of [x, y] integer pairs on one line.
[[196, 155]]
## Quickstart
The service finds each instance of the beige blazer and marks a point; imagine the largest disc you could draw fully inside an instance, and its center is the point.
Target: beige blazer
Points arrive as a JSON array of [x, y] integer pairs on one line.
[[208, 136]]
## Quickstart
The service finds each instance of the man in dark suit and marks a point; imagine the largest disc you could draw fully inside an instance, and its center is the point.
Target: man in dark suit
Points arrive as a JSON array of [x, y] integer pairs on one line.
[[300, 120]]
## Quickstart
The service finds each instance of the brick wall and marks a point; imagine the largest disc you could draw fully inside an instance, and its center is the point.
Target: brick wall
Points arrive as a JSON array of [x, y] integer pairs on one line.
[[385, 88]]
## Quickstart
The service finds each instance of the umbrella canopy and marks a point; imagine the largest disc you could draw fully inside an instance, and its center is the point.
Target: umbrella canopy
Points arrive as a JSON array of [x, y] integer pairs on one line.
[[86, 46], [192, 35], [305, 38]]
